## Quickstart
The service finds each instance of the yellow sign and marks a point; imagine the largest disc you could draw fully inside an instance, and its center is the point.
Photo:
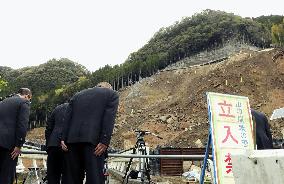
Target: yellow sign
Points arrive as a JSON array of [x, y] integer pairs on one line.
[[231, 131]]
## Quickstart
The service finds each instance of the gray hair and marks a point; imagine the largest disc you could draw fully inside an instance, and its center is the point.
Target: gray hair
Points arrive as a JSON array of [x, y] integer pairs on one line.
[[104, 85], [25, 91]]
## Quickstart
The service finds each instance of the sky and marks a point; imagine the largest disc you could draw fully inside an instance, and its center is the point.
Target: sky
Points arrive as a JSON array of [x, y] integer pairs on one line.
[[98, 32]]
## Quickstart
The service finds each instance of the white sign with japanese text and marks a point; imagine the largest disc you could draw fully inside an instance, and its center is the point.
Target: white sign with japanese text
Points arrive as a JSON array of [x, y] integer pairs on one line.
[[231, 130]]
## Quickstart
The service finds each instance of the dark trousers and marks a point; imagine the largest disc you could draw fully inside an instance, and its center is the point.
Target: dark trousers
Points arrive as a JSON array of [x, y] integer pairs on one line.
[[80, 158], [7, 166], [55, 165]]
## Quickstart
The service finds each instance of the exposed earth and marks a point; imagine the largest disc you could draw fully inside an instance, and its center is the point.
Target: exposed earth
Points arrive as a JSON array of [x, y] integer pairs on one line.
[[173, 103]]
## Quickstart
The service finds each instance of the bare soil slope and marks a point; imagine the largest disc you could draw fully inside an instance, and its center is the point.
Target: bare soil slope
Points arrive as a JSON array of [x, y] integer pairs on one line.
[[173, 103]]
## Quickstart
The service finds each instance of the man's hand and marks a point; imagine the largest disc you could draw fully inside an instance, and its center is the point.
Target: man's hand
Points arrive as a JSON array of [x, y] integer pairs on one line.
[[100, 149], [15, 153], [63, 146]]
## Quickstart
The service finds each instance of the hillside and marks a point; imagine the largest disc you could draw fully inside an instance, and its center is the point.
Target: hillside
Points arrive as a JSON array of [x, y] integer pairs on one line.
[[44, 77], [184, 43], [45, 81], [173, 103]]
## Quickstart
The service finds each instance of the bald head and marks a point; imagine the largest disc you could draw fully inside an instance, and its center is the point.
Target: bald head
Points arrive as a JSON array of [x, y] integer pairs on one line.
[[104, 85]]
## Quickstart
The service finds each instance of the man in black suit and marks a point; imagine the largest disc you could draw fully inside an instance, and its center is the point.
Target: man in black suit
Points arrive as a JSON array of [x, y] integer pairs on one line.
[[14, 118], [55, 159], [90, 119], [263, 134]]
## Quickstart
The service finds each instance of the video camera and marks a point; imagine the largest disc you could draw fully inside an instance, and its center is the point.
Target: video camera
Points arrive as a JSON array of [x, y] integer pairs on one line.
[[142, 133]]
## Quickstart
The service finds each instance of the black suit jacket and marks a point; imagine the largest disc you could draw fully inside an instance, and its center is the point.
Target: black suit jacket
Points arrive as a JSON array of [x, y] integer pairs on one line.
[[54, 125], [90, 116], [263, 134], [14, 118]]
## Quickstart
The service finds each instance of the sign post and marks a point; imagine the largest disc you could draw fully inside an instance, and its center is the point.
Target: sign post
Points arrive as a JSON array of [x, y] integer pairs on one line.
[[231, 131]]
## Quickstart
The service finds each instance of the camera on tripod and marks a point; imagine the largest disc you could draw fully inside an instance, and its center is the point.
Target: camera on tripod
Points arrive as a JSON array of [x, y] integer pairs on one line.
[[140, 136], [140, 133], [144, 167]]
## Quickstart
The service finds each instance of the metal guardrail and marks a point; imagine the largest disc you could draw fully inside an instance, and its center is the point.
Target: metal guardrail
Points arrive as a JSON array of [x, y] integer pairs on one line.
[[34, 152], [193, 157], [115, 162]]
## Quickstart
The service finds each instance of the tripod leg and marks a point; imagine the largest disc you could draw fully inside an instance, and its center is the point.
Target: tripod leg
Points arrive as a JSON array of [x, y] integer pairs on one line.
[[147, 169], [148, 174], [125, 177]]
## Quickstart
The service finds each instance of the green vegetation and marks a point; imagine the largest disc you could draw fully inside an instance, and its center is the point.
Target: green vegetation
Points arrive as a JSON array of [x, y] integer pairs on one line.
[[3, 84], [277, 32], [275, 23], [43, 80], [57, 80]]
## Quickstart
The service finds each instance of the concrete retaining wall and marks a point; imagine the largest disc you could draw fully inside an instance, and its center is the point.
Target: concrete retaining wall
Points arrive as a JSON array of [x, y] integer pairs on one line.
[[259, 166]]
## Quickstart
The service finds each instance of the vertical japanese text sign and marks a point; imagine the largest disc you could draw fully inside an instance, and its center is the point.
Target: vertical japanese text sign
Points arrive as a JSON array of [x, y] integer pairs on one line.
[[231, 131]]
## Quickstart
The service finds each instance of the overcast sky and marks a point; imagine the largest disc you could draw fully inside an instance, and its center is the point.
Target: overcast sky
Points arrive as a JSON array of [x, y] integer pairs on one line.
[[98, 32]]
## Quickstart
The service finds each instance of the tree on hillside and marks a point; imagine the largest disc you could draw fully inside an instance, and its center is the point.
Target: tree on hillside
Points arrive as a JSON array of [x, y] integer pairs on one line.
[[47, 76], [3, 84], [269, 21], [277, 32]]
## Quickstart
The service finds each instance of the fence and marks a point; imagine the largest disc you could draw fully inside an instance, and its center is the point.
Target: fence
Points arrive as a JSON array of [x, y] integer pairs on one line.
[[175, 167]]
